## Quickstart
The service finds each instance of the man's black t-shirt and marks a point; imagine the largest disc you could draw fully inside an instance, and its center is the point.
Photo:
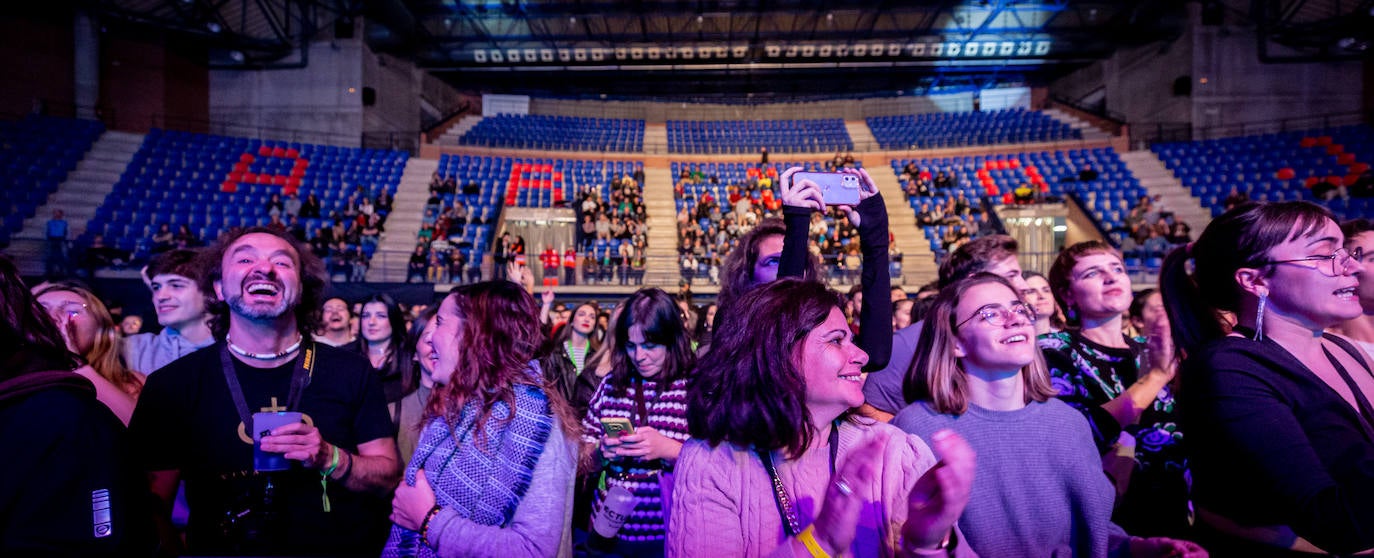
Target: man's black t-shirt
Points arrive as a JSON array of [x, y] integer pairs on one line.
[[186, 420]]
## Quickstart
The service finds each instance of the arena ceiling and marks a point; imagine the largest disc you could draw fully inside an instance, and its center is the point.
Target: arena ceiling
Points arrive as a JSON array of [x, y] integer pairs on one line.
[[735, 49]]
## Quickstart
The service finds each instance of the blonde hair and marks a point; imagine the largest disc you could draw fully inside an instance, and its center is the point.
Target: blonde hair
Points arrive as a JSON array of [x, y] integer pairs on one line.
[[104, 354], [936, 375]]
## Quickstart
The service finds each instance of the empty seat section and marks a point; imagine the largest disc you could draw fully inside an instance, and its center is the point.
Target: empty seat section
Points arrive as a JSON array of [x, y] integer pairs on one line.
[[962, 129], [749, 136], [36, 154], [566, 133]]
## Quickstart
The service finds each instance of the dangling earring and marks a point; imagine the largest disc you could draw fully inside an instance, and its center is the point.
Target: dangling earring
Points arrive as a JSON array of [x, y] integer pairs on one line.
[[1073, 316], [1259, 317]]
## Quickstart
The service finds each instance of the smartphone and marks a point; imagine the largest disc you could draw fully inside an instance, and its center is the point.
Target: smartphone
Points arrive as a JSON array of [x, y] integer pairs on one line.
[[520, 259], [616, 427], [837, 188]]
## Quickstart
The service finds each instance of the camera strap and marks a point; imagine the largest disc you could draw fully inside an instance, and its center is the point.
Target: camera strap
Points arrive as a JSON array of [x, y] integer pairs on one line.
[[300, 378]]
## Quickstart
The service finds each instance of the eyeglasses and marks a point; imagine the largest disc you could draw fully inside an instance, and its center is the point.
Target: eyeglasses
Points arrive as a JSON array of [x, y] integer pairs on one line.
[[997, 315], [1338, 259], [71, 309]]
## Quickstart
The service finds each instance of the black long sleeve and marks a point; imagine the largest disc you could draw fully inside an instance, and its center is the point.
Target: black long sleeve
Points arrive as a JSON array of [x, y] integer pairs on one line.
[[794, 242], [875, 319]]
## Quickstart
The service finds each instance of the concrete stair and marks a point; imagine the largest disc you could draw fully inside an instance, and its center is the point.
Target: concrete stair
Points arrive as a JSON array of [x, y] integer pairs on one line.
[[78, 197], [1089, 131], [660, 269], [403, 223], [918, 262], [451, 135], [1159, 180], [861, 135]]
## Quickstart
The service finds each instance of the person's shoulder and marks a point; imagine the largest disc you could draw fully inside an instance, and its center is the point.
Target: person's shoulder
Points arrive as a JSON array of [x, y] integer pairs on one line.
[[916, 416], [191, 364], [1055, 341]]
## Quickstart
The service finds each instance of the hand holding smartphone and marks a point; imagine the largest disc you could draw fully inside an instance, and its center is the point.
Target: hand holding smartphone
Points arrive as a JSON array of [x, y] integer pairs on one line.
[[837, 188], [616, 427]]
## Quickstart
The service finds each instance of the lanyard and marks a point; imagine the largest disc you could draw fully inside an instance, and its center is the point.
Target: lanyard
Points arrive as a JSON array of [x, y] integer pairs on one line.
[[786, 510], [300, 378]]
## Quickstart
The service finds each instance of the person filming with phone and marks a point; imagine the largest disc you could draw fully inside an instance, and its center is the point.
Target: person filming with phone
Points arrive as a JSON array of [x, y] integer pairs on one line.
[[285, 444], [636, 423]]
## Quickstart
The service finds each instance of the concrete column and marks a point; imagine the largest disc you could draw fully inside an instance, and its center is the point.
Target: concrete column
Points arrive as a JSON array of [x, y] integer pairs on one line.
[[86, 69]]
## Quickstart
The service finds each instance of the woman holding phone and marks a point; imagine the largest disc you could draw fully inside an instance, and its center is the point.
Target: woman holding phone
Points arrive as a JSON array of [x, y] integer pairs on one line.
[[636, 423], [493, 470]]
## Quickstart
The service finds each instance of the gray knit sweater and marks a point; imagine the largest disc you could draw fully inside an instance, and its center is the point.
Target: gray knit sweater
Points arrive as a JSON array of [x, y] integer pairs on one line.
[[1038, 489]]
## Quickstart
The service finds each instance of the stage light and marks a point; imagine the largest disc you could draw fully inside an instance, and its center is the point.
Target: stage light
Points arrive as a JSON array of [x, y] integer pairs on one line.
[[808, 51], [580, 54], [653, 53], [545, 55], [772, 51], [636, 53], [620, 53], [860, 50], [825, 51], [531, 55], [479, 56], [497, 57], [564, 55], [738, 51]]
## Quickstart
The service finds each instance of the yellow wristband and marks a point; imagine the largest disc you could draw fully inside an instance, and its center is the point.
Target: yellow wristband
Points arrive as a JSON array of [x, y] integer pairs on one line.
[[808, 538]]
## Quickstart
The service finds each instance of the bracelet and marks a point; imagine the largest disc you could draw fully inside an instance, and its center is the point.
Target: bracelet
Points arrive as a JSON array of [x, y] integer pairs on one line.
[[424, 525], [808, 538], [333, 462], [348, 468]]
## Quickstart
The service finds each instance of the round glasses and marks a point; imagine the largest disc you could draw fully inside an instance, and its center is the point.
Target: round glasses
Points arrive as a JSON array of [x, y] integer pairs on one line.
[[997, 315], [1330, 266]]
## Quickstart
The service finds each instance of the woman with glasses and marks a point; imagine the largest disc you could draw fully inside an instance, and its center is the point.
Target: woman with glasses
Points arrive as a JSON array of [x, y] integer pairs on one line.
[[977, 372], [1123, 386], [1279, 418], [90, 332]]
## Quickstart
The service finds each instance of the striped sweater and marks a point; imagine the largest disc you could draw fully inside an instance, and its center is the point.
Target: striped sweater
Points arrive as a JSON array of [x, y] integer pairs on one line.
[[666, 413]]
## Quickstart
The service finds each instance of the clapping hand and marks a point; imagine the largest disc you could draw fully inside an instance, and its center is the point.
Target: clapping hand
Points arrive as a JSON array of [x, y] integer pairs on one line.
[[838, 520], [939, 497]]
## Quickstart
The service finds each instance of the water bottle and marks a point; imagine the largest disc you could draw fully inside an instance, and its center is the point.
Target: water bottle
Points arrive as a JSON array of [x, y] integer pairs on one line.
[[606, 523]]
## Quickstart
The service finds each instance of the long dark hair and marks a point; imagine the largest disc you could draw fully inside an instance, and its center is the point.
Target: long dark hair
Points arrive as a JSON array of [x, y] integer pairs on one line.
[[499, 332], [29, 340], [737, 272], [565, 333], [748, 389], [1239, 238], [311, 270], [410, 380], [657, 314], [398, 354]]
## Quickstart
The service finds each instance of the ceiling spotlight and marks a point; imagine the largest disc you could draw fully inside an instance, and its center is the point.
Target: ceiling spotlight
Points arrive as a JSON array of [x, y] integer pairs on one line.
[[572, 20], [699, 18], [213, 27], [236, 55]]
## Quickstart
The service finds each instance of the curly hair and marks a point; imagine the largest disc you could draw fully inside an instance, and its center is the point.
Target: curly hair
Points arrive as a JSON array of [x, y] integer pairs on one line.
[[312, 276], [748, 389], [500, 334]]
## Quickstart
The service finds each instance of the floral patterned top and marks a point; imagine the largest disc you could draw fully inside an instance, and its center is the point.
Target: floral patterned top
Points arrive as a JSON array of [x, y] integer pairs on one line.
[[1088, 375]]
